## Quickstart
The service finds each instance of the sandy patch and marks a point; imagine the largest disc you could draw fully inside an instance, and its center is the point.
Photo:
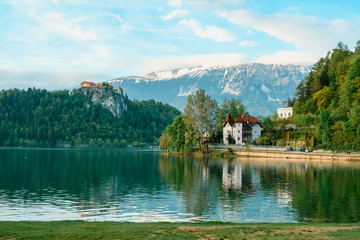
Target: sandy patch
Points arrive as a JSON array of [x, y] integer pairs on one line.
[[315, 230]]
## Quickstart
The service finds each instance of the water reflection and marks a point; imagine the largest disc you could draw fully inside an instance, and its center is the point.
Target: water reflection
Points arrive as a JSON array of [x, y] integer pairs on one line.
[[266, 190], [107, 184]]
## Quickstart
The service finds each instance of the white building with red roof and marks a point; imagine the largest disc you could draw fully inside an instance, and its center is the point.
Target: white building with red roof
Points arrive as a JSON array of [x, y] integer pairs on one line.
[[242, 129]]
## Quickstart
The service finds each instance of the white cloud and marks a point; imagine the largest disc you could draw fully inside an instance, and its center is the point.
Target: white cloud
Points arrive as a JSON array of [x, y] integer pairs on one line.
[[69, 28], [304, 32], [175, 14], [211, 32], [174, 3], [207, 60], [102, 51], [55, 2], [291, 57], [115, 16], [212, 5], [247, 43]]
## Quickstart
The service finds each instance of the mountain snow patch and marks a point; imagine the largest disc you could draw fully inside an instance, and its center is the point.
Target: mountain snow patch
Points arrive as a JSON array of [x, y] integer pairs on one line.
[[187, 91], [265, 89], [228, 89]]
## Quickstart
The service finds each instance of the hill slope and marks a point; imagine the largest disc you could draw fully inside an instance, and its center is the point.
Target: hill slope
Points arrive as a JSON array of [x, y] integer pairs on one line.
[[84, 116], [329, 100]]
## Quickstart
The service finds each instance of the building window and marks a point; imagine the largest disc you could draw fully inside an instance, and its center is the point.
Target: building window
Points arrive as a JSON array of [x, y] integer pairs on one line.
[[280, 114], [255, 131], [239, 138], [238, 131]]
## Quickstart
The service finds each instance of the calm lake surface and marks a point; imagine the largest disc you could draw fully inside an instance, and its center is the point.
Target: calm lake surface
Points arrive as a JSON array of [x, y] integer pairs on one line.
[[146, 186]]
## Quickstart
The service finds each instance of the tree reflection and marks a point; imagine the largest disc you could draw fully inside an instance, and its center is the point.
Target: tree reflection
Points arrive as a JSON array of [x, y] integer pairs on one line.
[[208, 188], [318, 191], [207, 185], [93, 177]]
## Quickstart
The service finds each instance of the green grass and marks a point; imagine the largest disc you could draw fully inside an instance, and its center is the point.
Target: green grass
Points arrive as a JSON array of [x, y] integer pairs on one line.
[[209, 230]]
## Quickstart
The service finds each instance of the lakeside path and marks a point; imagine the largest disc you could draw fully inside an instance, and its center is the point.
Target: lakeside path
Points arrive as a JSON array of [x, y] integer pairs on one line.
[[282, 153], [299, 155], [206, 230]]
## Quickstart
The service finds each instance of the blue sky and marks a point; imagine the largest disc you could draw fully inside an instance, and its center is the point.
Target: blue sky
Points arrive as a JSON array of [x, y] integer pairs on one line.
[[56, 44]]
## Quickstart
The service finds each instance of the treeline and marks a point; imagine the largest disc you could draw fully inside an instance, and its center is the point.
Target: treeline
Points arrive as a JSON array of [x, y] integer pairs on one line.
[[37, 117], [327, 102]]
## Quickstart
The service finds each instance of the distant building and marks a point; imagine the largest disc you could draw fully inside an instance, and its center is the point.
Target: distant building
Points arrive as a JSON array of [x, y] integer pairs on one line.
[[87, 84], [91, 84], [242, 129], [285, 112], [118, 90]]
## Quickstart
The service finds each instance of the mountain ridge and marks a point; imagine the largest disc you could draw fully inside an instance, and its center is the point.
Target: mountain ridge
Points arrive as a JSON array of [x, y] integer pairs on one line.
[[261, 87]]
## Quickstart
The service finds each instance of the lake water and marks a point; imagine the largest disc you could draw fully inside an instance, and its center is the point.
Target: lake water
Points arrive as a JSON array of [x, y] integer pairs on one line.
[[147, 186]]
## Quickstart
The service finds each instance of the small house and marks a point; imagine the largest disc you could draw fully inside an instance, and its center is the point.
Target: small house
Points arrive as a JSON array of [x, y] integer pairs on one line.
[[284, 112], [242, 129]]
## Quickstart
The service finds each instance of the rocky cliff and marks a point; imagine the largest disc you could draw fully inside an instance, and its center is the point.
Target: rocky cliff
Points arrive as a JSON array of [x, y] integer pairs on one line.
[[112, 100]]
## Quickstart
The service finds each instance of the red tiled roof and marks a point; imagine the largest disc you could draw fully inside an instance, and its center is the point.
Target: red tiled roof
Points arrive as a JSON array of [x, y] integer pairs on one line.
[[246, 119], [86, 82], [252, 119], [248, 122], [240, 119], [228, 119]]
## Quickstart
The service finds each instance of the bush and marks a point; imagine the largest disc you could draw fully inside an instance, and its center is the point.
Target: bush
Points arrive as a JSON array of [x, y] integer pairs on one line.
[[123, 143], [262, 140]]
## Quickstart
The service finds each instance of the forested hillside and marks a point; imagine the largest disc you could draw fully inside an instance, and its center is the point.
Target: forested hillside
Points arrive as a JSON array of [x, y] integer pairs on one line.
[[327, 102], [37, 117]]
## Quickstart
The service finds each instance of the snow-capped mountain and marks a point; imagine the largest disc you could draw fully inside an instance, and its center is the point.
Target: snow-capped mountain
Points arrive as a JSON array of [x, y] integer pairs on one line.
[[262, 88]]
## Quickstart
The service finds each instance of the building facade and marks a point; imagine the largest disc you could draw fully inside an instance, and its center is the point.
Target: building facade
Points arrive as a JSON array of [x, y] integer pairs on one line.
[[241, 130], [284, 112]]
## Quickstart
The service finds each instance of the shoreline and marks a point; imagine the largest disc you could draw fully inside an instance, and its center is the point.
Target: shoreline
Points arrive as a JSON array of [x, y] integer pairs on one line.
[[167, 230], [298, 155], [225, 153], [264, 154]]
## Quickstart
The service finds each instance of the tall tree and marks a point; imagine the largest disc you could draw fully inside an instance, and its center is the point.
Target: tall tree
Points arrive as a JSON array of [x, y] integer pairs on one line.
[[201, 112], [325, 126], [176, 133], [232, 106]]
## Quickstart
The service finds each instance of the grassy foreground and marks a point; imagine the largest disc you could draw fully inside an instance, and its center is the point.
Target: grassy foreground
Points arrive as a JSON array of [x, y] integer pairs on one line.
[[213, 230]]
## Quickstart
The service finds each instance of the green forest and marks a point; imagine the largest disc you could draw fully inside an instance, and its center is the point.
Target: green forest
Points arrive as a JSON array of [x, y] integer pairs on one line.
[[327, 102], [37, 117]]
